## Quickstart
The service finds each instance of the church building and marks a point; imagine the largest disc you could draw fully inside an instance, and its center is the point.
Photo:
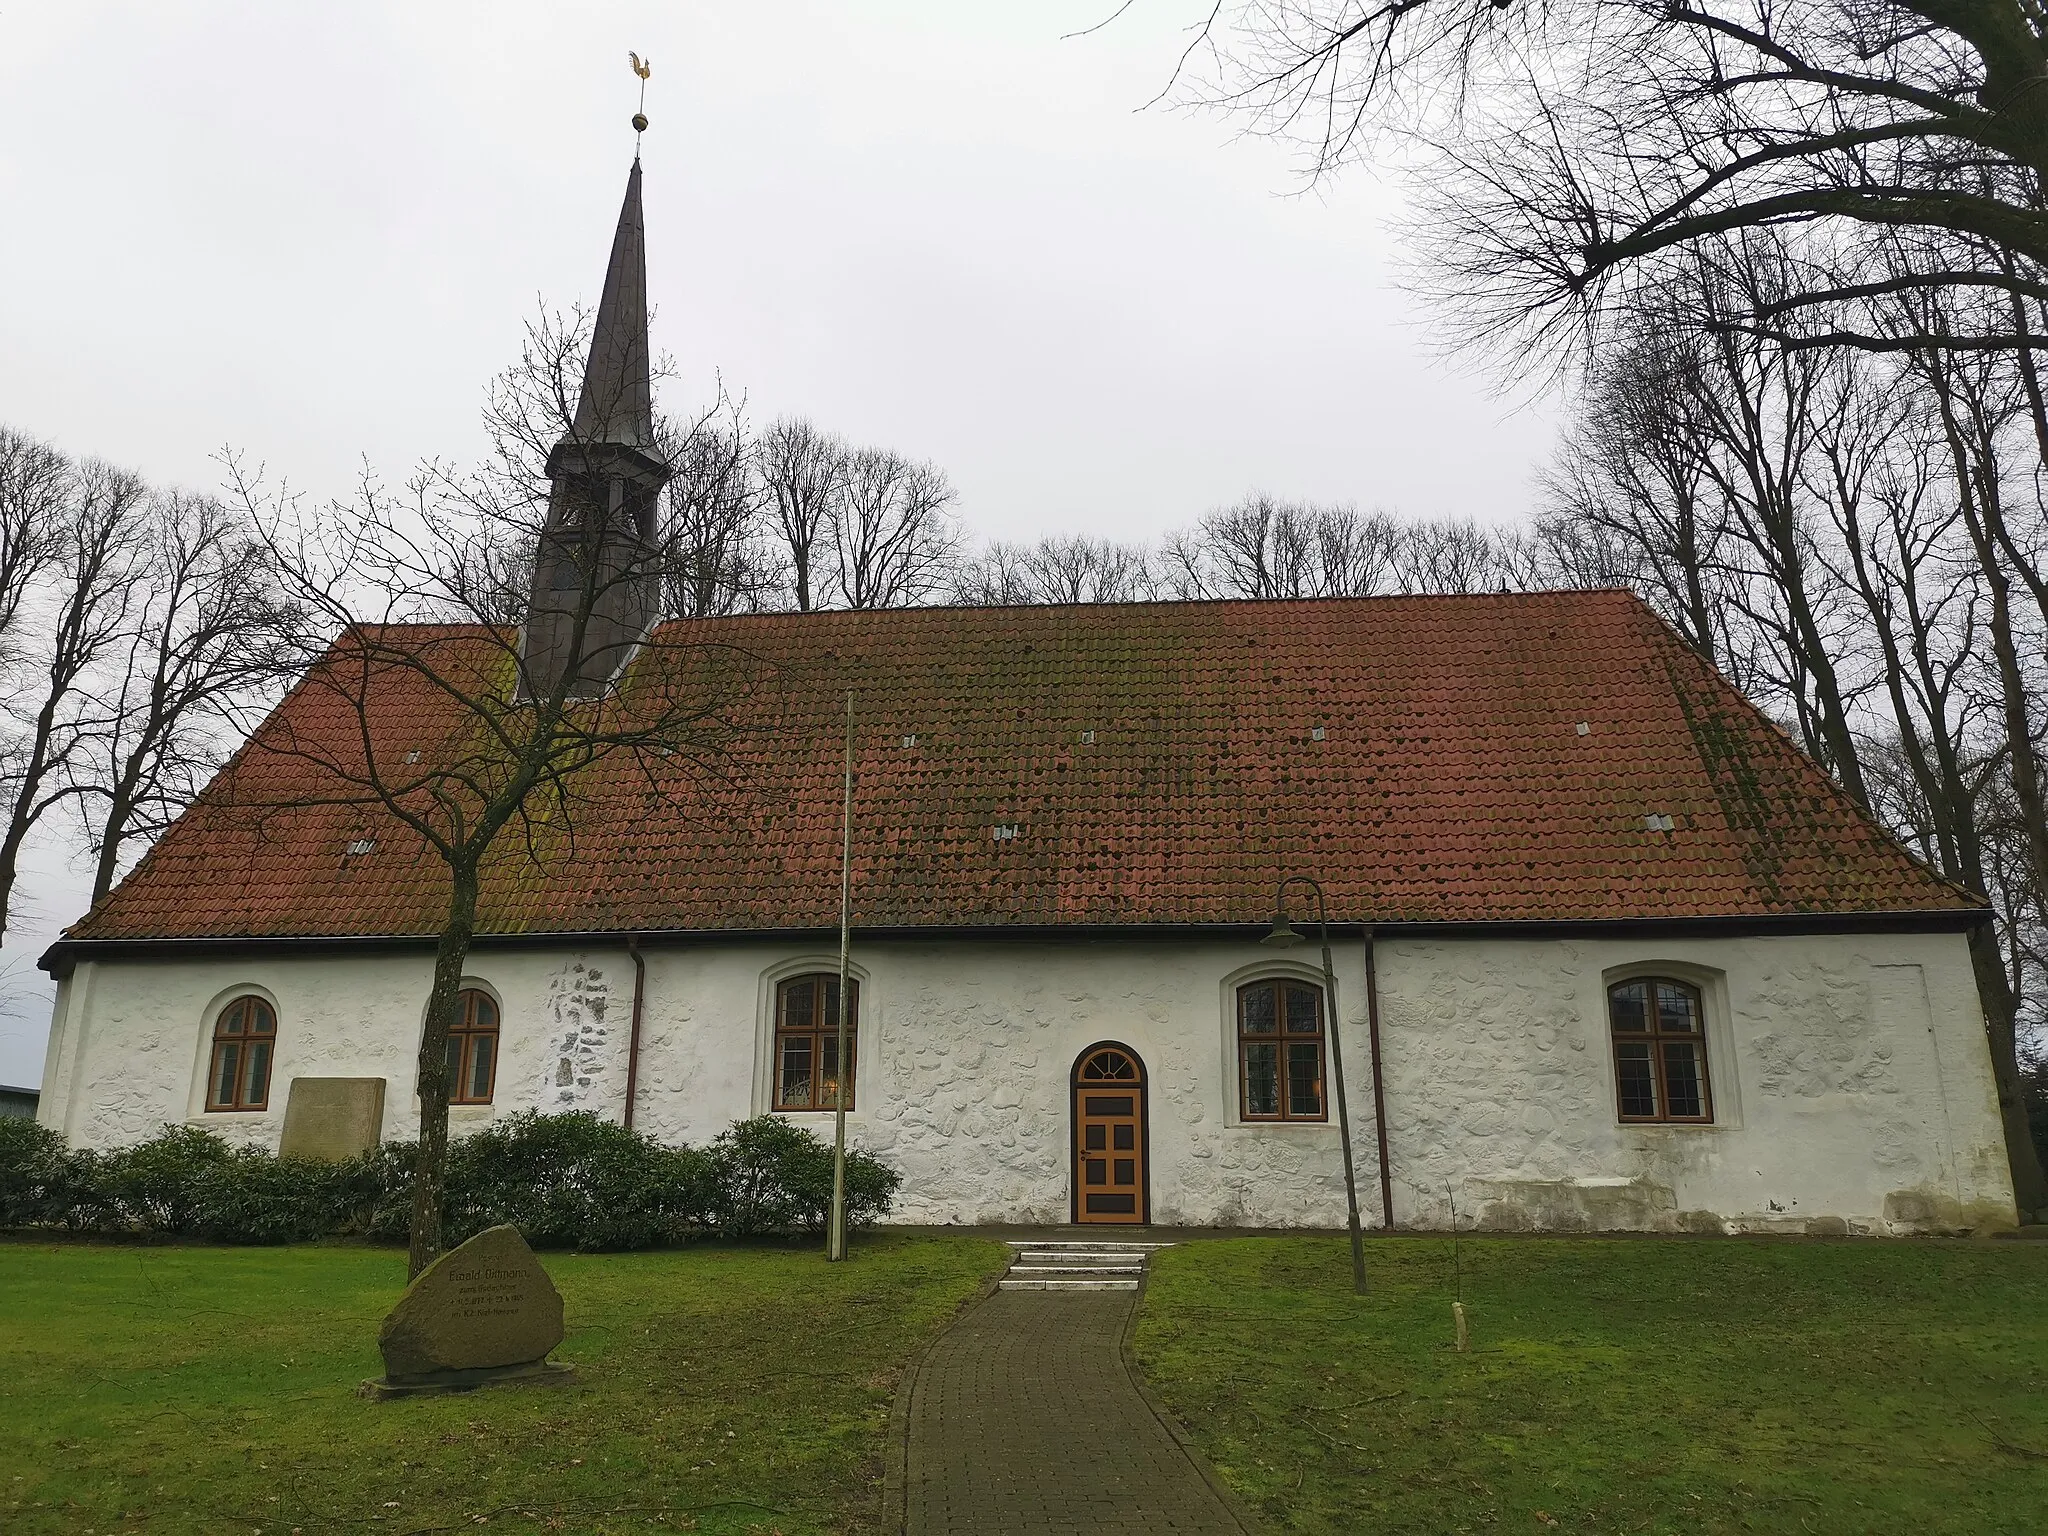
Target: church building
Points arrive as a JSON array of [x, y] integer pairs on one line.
[[1610, 952]]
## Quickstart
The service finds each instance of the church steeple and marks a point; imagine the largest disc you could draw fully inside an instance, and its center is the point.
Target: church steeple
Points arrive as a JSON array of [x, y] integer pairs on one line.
[[595, 567], [617, 403]]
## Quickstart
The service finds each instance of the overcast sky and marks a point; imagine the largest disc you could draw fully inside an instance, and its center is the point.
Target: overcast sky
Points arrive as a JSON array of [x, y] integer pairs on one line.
[[312, 233]]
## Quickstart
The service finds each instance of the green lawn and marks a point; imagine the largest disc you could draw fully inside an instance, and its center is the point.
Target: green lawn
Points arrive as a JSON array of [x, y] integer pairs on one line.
[[1614, 1385], [213, 1390]]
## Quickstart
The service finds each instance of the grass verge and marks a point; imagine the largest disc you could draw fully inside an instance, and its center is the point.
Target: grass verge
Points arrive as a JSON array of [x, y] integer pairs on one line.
[[724, 1389], [1613, 1385]]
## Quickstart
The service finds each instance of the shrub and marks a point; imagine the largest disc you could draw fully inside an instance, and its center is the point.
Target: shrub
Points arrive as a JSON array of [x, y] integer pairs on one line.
[[252, 1197], [155, 1184], [566, 1181], [574, 1181], [37, 1179], [378, 1190], [769, 1175]]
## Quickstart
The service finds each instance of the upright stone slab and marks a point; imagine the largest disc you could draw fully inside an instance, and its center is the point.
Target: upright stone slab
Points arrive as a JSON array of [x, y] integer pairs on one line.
[[333, 1119], [480, 1313]]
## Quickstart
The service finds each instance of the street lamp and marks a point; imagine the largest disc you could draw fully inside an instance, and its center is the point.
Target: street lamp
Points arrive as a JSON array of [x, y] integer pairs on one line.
[[1284, 936]]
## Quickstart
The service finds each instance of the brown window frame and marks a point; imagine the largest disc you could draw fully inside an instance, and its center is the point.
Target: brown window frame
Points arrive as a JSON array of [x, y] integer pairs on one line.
[[464, 1038], [1658, 1039], [1279, 1036], [820, 1031], [235, 1027]]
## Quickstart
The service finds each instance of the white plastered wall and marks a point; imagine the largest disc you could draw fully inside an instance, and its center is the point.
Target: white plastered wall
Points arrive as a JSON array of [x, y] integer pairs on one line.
[[1851, 1080]]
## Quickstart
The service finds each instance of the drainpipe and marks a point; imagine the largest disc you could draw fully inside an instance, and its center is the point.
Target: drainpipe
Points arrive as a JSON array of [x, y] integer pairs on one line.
[[633, 1042], [1379, 1079]]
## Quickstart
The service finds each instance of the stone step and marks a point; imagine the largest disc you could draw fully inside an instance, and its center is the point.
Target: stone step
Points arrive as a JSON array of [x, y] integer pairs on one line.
[[1012, 1282], [1082, 1256], [1098, 1245], [1077, 1269], [1076, 1264]]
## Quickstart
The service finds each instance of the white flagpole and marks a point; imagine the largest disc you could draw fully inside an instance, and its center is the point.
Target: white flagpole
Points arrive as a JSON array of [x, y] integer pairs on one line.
[[835, 1239]]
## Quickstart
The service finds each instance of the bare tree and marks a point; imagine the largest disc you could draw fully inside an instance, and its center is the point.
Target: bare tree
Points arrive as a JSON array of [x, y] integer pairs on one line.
[[1632, 475], [1265, 547], [994, 578], [182, 680], [35, 482], [1055, 570], [1452, 555], [714, 512], [801, 470], [1852, 522], [582, 688], [1259, 547], [1084, 570], [80, 610], [1568, 144], [893, 539]]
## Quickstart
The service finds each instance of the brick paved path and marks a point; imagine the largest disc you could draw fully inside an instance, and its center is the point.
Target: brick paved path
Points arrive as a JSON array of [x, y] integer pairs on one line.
[[1023, 1419]]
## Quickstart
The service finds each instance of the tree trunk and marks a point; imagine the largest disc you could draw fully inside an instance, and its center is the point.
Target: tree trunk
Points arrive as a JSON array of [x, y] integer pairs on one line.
[[2012, 681], [28, 804], [121, 799], [110, 847], [430, 1173], [2029, 1181]]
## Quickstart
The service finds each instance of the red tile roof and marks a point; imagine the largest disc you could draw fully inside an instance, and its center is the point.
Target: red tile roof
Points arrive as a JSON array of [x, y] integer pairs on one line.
[[1450, 782]]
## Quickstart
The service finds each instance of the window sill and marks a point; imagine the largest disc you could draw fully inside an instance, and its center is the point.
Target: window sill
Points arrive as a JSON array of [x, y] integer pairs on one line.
[[1237, 1123], [1673, 1125]]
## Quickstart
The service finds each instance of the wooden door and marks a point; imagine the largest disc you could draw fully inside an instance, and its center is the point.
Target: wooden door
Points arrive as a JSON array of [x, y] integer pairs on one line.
[[1109, 1137]]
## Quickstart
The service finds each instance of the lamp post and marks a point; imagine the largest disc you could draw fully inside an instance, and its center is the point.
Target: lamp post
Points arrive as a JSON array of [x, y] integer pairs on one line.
[[1284, 936]]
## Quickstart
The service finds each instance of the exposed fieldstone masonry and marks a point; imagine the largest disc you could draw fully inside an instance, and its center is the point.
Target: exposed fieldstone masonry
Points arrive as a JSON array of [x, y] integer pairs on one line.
[[578, 998]]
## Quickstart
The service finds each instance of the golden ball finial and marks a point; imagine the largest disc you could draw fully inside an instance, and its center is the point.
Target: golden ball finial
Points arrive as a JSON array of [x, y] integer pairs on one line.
[[639, 122]]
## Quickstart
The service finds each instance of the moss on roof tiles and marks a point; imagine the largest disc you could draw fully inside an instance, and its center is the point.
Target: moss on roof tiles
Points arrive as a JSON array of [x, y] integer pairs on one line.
[[1451, 785]]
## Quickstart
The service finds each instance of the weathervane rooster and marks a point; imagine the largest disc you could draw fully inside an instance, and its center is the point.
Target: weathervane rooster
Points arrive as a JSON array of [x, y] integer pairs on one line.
[[643, 68]]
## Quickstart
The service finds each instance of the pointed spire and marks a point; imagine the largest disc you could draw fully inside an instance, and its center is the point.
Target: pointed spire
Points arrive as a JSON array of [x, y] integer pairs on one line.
[[594, 593], [617, 403]]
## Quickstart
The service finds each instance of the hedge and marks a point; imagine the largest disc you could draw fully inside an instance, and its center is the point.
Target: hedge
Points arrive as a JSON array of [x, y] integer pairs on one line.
[[566, 1181]]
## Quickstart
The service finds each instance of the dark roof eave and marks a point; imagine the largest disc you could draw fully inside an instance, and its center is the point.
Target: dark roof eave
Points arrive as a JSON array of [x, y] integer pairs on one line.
[[62, 956]]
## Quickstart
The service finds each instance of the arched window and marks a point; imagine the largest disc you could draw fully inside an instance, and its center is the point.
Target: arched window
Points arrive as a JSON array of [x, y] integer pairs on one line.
[[244, 1035], [807, 1042], [1280, 1051], [473, 1049], [1660, 1050]]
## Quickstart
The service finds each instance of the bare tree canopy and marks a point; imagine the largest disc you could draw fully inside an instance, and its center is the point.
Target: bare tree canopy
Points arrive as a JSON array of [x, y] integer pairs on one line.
[[198, 657], [547, 682], [1265, 547], [1076, 569], [72, 551], [1859, 540], [1568, 143], [724, 556], [892, 531], [800, 469]]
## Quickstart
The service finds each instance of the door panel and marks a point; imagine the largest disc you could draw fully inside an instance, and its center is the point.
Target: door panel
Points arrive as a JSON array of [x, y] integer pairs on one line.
[[1109, 1119]]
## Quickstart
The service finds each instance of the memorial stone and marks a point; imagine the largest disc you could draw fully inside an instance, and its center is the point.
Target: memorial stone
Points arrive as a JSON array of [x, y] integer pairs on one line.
[[480, 1313], [332, 1119]]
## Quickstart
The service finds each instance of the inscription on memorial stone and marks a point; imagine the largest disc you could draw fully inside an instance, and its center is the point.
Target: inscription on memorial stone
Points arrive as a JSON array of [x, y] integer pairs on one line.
[[482, 1312]]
